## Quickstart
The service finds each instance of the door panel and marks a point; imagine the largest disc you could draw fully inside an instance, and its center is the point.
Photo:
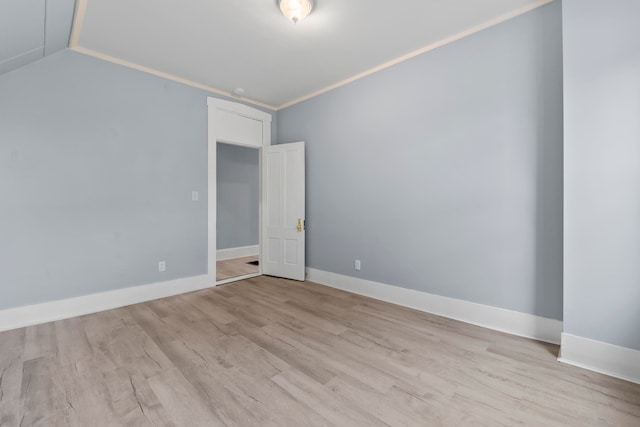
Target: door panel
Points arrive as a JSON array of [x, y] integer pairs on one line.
[[284, 207]]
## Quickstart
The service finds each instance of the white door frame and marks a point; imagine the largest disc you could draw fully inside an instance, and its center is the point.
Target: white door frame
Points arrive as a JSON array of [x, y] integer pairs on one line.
[[220, 132]]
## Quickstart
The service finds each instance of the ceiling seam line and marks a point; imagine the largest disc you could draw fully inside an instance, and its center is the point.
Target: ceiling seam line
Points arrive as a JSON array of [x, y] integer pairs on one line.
[[443, 42], [79, 13], [44, 35], [168, 76], [35, 49]]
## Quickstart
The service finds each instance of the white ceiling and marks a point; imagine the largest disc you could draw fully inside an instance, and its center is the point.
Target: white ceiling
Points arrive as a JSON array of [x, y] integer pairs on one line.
[[226, 44]]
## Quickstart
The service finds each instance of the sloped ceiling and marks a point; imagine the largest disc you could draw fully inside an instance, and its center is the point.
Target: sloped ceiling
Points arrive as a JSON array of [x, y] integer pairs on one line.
[[221, 45], [224, 44], [31, 29]]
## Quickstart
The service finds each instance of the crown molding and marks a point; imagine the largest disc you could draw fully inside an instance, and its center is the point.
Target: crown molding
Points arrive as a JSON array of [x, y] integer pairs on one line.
[[498, 20], [168, 76], [78, 21], [80, 12]]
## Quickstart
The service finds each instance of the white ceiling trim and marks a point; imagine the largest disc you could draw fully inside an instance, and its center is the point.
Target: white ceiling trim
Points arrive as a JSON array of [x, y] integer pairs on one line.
[[80, 12], [74, 39], [168, 76], [440, 43], [78, 21]]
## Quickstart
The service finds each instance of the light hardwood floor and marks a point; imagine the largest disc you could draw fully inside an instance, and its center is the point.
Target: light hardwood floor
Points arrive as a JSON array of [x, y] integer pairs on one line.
[[270, 352], [236, 267]]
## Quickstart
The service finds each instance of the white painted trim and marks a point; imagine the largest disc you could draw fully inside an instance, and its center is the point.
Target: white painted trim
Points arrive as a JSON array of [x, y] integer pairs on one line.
[[164, 75], [495, 21], [213, 105], [81, 10], [236, 279], [598, 356], [212, 194], [240, 252], [237, 108], [78, 21], [19, 317], [499, 319]]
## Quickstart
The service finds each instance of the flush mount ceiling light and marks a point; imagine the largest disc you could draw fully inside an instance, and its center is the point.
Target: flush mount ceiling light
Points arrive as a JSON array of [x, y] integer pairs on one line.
[[296, 10]]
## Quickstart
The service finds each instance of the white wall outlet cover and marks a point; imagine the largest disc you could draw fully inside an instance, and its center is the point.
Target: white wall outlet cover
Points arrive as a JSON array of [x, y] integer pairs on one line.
[[357, 265], [162, 266], [195, 196]]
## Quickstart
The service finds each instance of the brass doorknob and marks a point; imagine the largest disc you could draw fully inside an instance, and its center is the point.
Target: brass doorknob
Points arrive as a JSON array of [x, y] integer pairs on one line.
[[299, 224]]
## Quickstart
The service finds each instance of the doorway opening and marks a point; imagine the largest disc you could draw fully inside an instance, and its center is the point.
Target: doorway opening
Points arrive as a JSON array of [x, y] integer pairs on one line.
[[281, 196], [233, 126], [238, 212]]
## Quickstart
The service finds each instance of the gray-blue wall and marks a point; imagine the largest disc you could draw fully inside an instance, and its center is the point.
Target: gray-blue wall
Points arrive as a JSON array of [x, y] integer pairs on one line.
[[602, 170], [31, 29], [444, 173], [97, 166], [238, 196]]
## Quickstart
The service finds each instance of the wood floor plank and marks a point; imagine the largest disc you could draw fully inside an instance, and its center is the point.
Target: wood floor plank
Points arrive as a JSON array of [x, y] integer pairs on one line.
[[345, 365], [236, 267], [183, 403], [11, 370], [322, 401], [203, 303], [132, 400], [359, 395], [274, 352], [307, 363], [40, 341], [42, 400]]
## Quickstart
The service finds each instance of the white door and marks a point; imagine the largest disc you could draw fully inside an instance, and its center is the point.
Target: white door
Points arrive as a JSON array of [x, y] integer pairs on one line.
[[283, 198]]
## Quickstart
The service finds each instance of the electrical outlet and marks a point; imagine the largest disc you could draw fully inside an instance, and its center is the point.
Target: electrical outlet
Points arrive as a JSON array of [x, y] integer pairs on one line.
[[195, 196], [162, 266], [357, 265]]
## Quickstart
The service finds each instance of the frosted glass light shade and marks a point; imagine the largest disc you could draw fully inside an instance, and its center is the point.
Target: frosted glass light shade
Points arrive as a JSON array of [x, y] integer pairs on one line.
[[296, 10]]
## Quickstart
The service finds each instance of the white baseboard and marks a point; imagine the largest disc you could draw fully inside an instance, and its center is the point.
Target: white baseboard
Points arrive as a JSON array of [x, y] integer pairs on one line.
[[231, 253], [500, 319], [19, 317], [609, 359]]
